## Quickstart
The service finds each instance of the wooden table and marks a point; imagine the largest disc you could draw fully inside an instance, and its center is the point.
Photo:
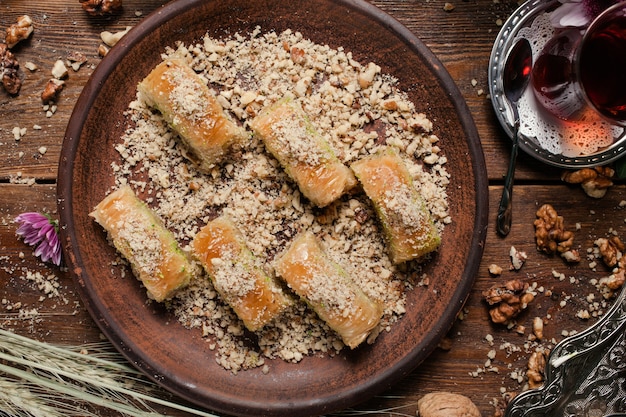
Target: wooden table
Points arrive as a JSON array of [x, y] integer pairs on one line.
[[462, 38]]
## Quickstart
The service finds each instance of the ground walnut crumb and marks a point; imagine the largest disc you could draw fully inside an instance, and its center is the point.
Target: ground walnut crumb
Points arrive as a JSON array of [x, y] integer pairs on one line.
[[343, 99]]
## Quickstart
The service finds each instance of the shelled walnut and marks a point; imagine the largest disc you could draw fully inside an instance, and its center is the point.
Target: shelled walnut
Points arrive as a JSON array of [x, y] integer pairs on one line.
[[101, 7], [9, 71], [536, 367], [551, 236], [19, 31], [611, 250], [594, 181], [508, 300]]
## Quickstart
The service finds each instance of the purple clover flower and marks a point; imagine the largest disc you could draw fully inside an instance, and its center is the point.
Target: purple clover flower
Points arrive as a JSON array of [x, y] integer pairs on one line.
[[41, 232], [578, 13]]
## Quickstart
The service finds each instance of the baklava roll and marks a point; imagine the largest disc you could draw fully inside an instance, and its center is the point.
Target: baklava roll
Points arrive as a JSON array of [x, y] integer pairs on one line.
[[408, 227], [140, 236], [302, 151], [192, 110], [252, 294], [328, 289]]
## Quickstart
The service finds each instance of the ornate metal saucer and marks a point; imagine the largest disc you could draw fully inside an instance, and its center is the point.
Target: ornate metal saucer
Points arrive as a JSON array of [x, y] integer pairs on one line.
[[585, 375], [520, 24]]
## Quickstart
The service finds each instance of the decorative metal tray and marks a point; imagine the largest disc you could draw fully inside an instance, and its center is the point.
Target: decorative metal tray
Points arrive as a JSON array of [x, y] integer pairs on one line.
[[585, 375]]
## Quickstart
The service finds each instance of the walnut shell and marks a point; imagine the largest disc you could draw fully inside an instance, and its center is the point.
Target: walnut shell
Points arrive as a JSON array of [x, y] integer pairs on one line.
[[446, 404]]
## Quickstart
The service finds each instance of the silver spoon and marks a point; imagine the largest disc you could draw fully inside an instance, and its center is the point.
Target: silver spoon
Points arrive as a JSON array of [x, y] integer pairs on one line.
[[516, 75]]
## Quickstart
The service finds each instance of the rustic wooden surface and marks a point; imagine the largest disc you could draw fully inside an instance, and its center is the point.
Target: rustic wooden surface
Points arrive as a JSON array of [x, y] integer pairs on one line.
[[462, 39]]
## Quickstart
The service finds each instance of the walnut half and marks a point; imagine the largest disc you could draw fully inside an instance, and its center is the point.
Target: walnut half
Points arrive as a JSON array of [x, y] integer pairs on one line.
[[446, 404], [594, 181], [9, 71], [101, 7], [19, 31], [536, 368], [551, 236], [508, 300]]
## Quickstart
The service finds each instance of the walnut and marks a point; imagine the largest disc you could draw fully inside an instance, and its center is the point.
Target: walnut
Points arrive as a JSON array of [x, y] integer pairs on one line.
[[366, 77], [611, 249], [19, 31], [446, 404], [594, 181], [612, 283], [51, 90], [9, 71], [76, 60], [103, 50], [101, 7], [111, 39], [609, 285], [298, 56], [551, 236], [508, 300], [536, 367]]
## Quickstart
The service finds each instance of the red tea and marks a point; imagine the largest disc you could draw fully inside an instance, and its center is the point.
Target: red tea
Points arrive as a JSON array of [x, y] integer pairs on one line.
[[602, 66], [553, 77]]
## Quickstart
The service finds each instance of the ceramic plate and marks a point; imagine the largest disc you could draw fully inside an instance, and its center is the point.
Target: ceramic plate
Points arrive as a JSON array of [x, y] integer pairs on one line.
[[178, 358]]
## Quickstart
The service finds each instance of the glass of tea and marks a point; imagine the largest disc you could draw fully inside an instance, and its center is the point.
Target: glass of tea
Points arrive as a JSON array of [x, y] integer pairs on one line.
[[581, 72]]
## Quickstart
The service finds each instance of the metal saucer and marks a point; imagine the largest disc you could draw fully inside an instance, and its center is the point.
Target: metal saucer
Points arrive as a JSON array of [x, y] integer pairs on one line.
[[521, 18]]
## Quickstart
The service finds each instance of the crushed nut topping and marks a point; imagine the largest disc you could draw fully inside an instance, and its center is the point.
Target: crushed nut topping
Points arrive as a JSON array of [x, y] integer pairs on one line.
[[9, 71], [101, 7], [76, 60], [19, 31], [508, 300], [594, 181], [551, 236]]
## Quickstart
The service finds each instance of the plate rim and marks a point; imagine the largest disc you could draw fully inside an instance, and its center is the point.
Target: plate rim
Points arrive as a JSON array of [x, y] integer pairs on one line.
[[382, 380]]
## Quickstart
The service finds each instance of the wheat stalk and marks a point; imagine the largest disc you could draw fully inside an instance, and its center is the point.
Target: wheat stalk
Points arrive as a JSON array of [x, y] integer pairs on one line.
[[39, 379], [42, 380]]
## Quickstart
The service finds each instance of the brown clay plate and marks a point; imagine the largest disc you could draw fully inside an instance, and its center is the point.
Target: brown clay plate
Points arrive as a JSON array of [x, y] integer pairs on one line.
[[178, 358]]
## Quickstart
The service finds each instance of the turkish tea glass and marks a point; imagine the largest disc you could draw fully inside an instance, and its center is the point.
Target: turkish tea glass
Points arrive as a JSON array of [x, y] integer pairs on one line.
[[581, 73]]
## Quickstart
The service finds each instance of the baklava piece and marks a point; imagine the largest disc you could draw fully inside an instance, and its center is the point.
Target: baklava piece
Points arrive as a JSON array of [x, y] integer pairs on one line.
[[140, 236], [304, 154], [328, 289], [407, 224], [252, 294], [191, 109]]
